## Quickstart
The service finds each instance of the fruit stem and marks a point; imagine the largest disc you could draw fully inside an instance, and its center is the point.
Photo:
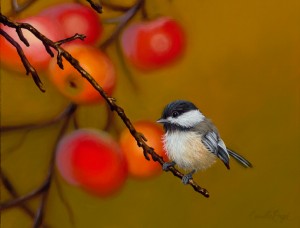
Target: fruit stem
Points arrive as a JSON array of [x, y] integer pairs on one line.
[[96, 6], [124, 19], [115, 7]]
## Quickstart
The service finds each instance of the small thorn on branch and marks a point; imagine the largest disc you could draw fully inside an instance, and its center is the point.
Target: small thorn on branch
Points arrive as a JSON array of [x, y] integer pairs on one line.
[[146, 155], [59, 59], [37, 80], [112, 99], [22, 37], [142, 136], [48, 49]]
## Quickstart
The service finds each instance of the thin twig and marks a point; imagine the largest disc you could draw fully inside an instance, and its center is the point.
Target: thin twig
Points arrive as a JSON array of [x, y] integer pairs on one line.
[[39, 216], [144, 12], [29, 68], [96, 6], [21, 199], [17, 145], [12, 191], [75, 122], [43, 188], [124, 19], [115, 7], [64, 201], [124, 66], [67, 40], [109, 119], [67, 111]]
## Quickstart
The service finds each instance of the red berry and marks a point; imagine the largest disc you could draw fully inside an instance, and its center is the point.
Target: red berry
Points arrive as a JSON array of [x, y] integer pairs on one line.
[[93, 160], [76, 88], [36, 52], [76, 18], [138, 166], [153, 44]]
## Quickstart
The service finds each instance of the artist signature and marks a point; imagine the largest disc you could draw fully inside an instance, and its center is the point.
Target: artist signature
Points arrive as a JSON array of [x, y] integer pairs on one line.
[[274, 215]]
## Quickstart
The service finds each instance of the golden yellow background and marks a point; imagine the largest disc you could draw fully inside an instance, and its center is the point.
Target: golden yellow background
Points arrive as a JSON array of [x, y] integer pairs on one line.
[[241, 68]]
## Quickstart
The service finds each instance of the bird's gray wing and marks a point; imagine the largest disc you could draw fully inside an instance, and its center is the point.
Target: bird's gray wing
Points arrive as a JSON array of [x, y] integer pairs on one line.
[[216, 145], [210, 141]]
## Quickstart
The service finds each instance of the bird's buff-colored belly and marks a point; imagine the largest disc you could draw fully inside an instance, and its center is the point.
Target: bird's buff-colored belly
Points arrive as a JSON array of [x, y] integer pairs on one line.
[[187, 150]]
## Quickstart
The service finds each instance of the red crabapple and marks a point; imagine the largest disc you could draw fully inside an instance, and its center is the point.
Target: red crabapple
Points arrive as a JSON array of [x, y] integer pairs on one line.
[[76, 18], [153, 44], [93, 160]]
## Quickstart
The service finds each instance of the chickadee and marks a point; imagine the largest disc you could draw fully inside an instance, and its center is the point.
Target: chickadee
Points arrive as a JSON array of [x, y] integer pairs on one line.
[[192, 141]]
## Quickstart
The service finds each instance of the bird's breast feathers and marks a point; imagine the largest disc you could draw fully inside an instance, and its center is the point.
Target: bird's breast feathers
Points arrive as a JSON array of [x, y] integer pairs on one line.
[[187, 150]]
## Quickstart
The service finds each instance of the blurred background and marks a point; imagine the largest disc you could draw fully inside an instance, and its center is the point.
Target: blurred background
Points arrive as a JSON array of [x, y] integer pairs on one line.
[[241, 68]]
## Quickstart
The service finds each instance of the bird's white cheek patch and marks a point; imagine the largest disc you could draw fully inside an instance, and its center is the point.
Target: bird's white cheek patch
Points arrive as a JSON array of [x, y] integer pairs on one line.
[[188, 119]]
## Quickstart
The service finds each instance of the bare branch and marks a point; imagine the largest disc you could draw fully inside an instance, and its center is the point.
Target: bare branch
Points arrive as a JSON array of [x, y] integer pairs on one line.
[[48, 49], [39, 216], [20, 200], [22, 37], [67, 40], [64, 201], [70, 109], [115, 7], [124, 66], [12, 191], [44, 188], [140, 139], [29, 68]]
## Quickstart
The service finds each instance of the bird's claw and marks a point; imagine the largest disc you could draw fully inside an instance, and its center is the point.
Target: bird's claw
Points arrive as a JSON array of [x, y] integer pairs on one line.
[[186, 178], [167, 165]]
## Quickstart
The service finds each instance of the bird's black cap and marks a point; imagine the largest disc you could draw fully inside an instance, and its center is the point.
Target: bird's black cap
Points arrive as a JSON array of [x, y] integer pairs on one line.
[[174, 110], [179, 106]]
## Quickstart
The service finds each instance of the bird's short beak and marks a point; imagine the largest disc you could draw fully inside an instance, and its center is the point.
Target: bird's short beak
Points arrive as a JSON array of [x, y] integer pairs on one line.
[[162, 121]]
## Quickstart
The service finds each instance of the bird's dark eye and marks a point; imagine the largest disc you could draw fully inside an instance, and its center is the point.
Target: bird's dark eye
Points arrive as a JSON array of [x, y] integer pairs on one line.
[[175, 114]]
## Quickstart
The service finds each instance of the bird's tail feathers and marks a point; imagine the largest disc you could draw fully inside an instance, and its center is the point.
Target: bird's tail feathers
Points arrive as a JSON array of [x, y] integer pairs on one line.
[[239, 158]]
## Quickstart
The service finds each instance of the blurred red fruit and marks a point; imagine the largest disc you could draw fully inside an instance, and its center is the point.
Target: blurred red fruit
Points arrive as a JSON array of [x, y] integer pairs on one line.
[[93, 160], [76, 18], [36, 52], [153, 44], [138, 166], [70, 82]]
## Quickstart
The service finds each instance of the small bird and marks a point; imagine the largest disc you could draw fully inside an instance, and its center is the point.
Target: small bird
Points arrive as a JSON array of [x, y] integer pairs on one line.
[[192, 141]]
